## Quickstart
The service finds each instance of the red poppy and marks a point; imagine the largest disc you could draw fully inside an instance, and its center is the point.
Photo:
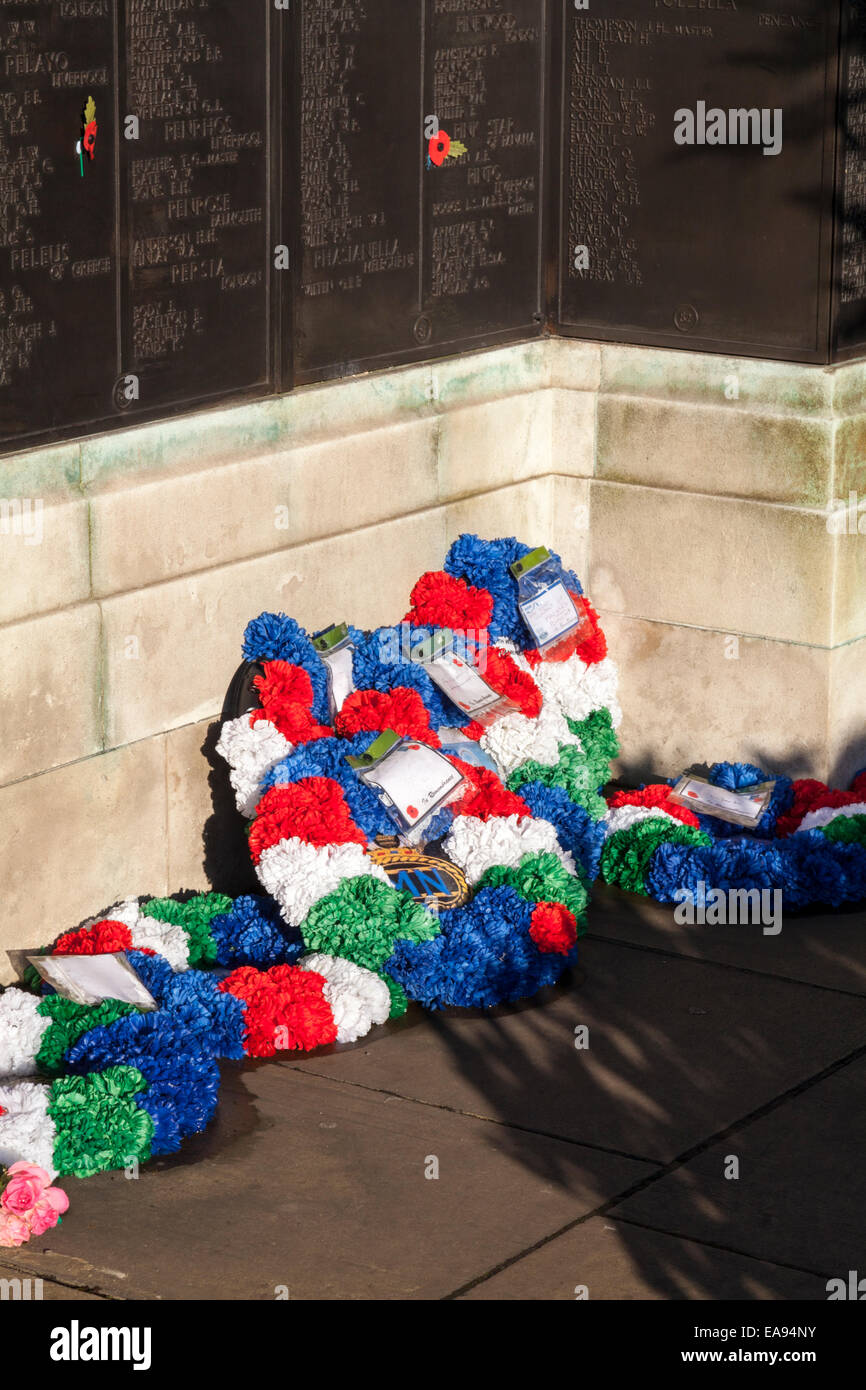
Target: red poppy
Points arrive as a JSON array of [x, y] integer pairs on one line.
[[439, 148]]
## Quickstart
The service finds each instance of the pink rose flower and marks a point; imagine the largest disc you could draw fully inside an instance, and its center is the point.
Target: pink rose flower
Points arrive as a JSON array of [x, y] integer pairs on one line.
[[20, 1169], [48, 1210], [57, 1198], [27, 1182], [14, 1230]]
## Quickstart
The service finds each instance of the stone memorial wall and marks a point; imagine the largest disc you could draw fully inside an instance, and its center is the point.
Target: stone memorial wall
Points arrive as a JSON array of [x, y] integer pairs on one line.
[[202, 200]]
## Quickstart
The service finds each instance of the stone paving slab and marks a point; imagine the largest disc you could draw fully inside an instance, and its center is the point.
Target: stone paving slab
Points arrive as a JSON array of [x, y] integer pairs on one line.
[[801, 1194], [17, 1286], [822, 948], [613, 1260], [320, 1189], [679, 1049], [557, 1166]]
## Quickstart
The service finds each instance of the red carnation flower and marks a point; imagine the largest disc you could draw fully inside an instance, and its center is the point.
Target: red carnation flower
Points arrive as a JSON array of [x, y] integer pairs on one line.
[[859, 785], [473, 730], [314, 809], [817, 802], [290, 682], [443, 600], [835, 798], [506, 677], [808, 792], [102, 939], [553, 928], [587, 640], [486, 795], [286, 1009], [286, 693], [593, 648], [657, 794], [401, 709]]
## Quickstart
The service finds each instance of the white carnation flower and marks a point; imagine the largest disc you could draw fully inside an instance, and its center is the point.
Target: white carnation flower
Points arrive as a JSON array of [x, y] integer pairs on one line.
[[515, 739], [577, 689], [557, 679], [475, 845], [357, 997], [297, 874], [128, 912], [601, 684], [251, 750], [166, 938], [26, 1129], [21, 1032], [624, 817], [813, 820]]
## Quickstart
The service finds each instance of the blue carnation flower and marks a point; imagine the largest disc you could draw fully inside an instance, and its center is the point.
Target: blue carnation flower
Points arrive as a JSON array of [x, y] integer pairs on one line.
[[483, 956], [486, 565], [379, 664], [275, 637], [217, 1019], [576, 831], [179, 1067], [326, 757], [254, 933], [154, 972], [807, 868]]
